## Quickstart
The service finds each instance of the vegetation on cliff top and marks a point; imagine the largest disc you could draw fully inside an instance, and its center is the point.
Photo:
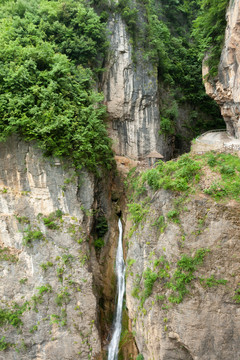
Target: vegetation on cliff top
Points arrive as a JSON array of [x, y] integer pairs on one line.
[[50, 52], [188, 174]]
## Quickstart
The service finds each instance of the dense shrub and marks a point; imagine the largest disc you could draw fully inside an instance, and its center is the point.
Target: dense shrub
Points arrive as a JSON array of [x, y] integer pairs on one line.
[[47, 50], [209, 29]]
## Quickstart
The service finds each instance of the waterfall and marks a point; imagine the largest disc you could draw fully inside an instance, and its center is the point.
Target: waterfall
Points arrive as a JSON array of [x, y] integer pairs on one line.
[[120, 271]]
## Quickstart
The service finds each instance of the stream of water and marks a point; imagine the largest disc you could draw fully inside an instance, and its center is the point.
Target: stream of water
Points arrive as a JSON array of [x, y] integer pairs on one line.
[[120, 271]]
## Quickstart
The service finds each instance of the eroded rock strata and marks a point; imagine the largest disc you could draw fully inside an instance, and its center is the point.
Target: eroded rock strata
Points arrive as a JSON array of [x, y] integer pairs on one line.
[[225, 88], [50, 276], [131, 95], [205, 324]]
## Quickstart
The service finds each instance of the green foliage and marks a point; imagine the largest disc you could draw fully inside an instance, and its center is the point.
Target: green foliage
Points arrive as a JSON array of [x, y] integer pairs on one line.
[[237, 295], [137, 212], [63, 297], [23, 219], [3, 344], [49, 221], [37, 299], [228, 185], [46, 265], [99, 243], [173, 175], [32, 235], [184, 274], [185, 174], [176, 281], [60, 271], [47, 50], [59, 319], [173, 216], [5, 255], [23, 281], [129, 14], [12, 316], [211, 160], [160, 271], [44, 289], [212, 281], [149, 279], [166, 126], [33, 329], [50, 224], [140, 357], [67, 258], [101, 226], [58, 214], [160, 223], [169, 114], [209, 29]]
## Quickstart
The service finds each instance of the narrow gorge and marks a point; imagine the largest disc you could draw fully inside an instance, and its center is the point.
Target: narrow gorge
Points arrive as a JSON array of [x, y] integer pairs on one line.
[[72, 75]]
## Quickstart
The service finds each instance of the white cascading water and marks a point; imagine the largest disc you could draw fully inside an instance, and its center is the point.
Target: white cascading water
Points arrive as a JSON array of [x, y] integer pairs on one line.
[[120, 271]]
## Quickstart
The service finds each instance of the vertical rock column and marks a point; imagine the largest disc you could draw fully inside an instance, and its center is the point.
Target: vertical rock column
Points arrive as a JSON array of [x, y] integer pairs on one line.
[[131, 94]]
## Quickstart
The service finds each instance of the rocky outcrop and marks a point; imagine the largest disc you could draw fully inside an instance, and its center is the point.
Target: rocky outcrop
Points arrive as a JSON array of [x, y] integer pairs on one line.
[[205, 325], [225, 89], [48, 306], [131, 95]]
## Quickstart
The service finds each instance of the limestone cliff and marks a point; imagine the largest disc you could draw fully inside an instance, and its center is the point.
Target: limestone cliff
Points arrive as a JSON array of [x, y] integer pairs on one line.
[[137, 98], [50, 276], [225, 89], [205, 324], [132, 98]]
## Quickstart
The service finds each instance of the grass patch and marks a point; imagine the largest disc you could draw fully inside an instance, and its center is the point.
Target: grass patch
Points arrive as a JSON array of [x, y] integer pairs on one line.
[[63, 297], [46, 265], [176, 280], [3, 344], [184, 274], [5, 255], [50, 221], [212, 281], [12, 316], [137, 212], [32, 235], [237, 295], [186, 175], [160, 223]]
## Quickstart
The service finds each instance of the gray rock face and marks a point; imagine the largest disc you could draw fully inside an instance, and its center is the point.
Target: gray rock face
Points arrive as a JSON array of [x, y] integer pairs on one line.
[[225, 89], [44, 257], [206, 324], [131, 95]]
